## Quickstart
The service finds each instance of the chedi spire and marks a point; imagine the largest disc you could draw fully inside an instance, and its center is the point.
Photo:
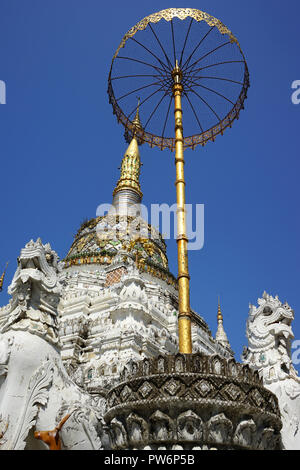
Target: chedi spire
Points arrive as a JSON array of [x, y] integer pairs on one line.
[[221, 336], [131, 163], [128, 190]]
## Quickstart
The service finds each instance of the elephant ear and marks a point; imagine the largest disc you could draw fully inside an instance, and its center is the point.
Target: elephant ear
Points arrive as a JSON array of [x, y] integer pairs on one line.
[[37, 394]]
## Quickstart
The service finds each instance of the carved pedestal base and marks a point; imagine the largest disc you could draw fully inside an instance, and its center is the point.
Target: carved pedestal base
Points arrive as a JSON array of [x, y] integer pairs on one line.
[[192, 402]]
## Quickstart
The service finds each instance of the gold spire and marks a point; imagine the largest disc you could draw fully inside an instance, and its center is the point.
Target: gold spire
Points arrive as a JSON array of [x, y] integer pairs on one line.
[[220, 316], [2, 277], [131, 163]]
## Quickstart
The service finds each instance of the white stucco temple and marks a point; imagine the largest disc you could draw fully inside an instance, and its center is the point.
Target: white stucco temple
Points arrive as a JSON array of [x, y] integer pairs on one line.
[[89, 349]]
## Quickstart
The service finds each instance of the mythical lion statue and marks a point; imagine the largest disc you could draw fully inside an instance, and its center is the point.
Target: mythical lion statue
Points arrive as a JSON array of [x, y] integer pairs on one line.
[[36, 393], [270, 336]]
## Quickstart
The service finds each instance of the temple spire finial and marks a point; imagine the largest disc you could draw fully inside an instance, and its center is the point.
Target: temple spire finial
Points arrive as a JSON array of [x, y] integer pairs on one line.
[[2, 277], [131, 163]]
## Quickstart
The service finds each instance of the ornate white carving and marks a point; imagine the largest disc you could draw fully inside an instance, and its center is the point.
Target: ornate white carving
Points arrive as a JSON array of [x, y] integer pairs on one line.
[[138, 429], [35, 383], [162, 426], [269, 334], [135, 318], [219, 429], [37, 394], [5, 348], [190, 426], [79, 433], [118, 434], [245, 433], [35, 292]]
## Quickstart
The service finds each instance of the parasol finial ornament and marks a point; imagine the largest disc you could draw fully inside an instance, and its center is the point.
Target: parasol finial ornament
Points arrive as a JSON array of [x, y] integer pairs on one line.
[[137, 121]]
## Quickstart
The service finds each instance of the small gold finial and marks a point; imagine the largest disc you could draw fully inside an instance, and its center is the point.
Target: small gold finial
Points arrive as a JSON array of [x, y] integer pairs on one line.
[[220, 316], [2, 277], [177, 73], [137, 122]]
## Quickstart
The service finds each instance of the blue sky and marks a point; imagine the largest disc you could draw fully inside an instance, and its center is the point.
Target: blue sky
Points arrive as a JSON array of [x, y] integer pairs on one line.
[[61, 147]]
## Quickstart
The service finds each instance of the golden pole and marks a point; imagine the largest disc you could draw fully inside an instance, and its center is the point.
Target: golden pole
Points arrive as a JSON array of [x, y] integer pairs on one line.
[[184, 317]]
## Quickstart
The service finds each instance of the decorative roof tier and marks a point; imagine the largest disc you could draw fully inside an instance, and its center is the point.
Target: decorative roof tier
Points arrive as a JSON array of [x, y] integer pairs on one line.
[[102, 239]]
